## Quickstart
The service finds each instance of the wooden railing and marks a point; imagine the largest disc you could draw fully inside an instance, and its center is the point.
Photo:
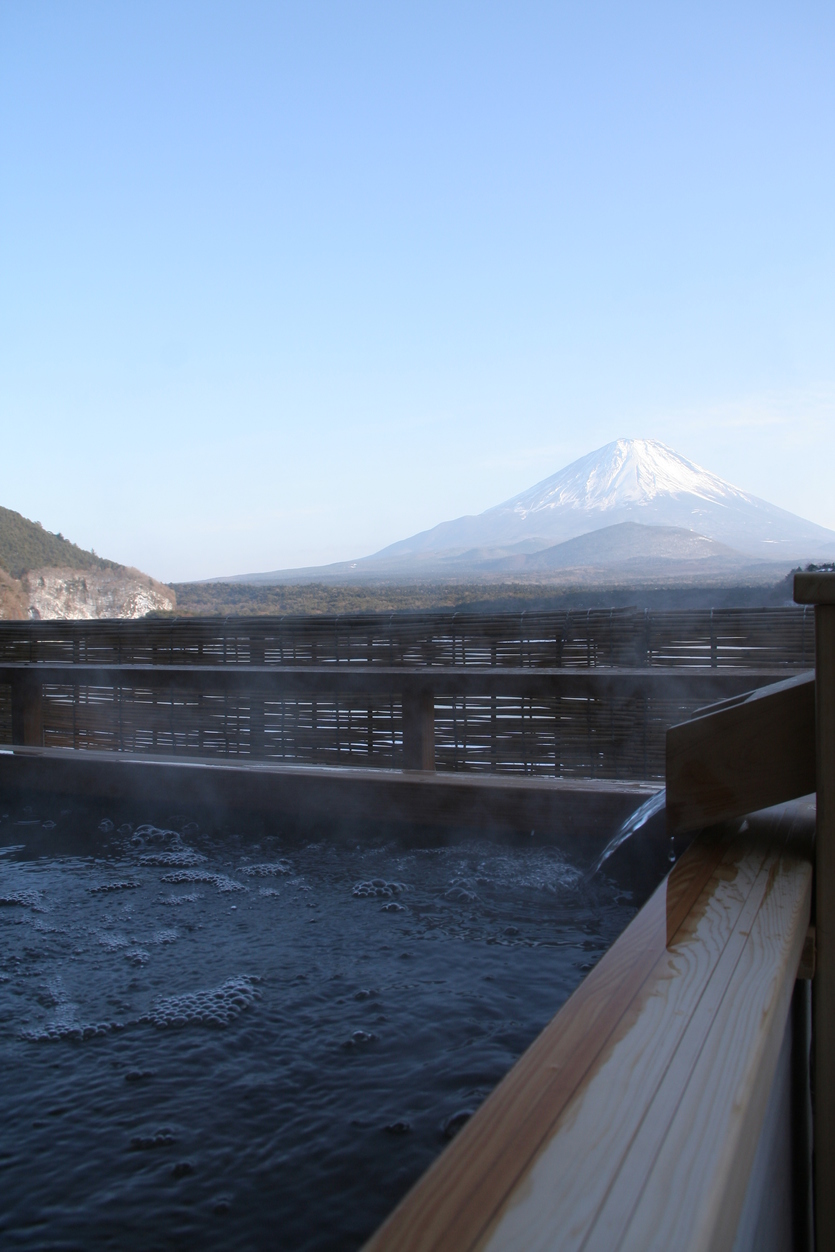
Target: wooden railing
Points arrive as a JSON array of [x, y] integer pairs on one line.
[[613, 717], [754, 638]]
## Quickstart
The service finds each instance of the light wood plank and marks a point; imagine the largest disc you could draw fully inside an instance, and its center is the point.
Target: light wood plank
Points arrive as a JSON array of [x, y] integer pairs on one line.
[[561, 1152], [590, 1169], [695, 1191]]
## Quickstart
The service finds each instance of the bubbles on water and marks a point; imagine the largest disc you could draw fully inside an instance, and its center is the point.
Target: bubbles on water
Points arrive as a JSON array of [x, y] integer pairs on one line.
[[539, 870], [460, 895], [104, 887], [154, 834], [21, 899], [166, 935], [105, 826], [65, 1027], [147, 1143], [360, 1039], [446, 1030], [138, 957], [221, 881], [177, 859], [379, 888], [216, 1007], [271, 869]]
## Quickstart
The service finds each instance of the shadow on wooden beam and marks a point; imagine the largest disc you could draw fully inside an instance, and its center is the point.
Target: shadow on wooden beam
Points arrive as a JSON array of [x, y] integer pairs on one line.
[[747, 753]]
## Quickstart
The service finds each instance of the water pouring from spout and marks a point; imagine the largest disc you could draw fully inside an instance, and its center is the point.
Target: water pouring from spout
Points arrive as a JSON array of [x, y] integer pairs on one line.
[[635, 821]]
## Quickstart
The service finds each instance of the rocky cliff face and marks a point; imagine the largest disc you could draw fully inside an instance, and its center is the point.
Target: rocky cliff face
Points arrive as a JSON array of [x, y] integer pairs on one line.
[[90, 594]]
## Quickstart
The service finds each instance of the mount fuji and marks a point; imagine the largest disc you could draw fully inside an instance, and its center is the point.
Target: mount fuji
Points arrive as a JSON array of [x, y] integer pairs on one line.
[[653, 505]]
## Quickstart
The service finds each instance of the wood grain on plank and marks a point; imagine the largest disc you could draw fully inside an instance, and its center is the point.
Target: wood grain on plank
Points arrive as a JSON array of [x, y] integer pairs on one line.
[[693, 1196], [596, 1163], [560, 1154], [742, 756], [454, 1203]]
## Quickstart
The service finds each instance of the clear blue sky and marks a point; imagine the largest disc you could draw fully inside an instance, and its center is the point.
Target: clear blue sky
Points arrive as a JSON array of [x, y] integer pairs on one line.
[[283, 283]]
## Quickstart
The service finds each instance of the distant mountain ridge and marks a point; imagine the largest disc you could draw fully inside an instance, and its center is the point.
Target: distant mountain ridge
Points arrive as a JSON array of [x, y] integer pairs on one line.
[[624, 544], [630, 488], [629, 480]]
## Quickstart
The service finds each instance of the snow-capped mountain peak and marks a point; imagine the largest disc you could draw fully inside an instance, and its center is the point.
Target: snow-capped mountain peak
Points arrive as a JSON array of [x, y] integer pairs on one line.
[[629, 480], [624, 474]]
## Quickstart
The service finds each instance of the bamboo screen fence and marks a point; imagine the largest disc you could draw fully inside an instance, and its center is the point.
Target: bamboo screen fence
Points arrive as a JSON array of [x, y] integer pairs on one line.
[[556, 735]]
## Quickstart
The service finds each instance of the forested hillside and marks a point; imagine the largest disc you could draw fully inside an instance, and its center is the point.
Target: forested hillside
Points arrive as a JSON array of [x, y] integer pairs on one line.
[[25, 545]]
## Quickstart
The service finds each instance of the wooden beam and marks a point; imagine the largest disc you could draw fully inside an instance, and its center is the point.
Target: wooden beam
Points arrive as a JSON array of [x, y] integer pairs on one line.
[[27, 709], [419, 730], [819, 589], [633, 1120], [687, 682], [587, 809], [744, 754]]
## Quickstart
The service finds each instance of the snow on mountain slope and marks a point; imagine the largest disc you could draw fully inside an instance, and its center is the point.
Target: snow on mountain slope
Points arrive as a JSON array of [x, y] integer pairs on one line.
[[629, 480], [627, 472]]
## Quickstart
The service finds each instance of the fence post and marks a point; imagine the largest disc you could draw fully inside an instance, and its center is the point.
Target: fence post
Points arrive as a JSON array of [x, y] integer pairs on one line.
[[257, 717], [27, 715], [819, 589], [418, 728]]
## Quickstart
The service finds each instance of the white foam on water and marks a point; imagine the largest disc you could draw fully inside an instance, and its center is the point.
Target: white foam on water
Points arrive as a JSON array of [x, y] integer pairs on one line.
[[271, 869], [221, 881], [378, 888], [105, 887], [24, 899], [177, 859], [138, 956], [216, 1007]]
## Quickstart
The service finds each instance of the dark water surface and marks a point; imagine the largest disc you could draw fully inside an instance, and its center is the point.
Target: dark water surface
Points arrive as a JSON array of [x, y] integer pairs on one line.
[[212, 1042]]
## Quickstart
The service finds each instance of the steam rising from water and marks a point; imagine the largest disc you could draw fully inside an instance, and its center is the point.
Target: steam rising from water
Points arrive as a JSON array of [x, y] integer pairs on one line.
[[319, 1021]]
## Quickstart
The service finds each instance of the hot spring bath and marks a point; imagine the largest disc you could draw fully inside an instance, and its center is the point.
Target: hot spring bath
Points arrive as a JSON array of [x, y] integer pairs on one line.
[[218, 1040]]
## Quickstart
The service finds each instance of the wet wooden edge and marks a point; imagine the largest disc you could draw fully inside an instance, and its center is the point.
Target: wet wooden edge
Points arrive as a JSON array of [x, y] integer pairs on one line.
[[463, 1196], [578, 808], [454, 1202]]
